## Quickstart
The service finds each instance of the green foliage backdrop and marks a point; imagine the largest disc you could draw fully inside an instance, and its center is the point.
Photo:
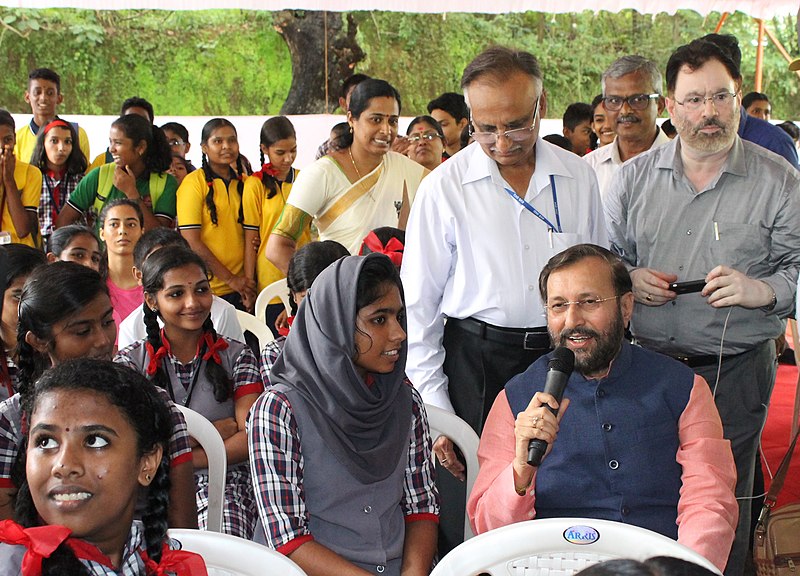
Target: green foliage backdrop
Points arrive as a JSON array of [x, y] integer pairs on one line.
[[232, 62]]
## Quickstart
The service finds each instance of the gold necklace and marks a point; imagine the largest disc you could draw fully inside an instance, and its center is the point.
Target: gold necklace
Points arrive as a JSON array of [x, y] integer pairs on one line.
[[350, 151]]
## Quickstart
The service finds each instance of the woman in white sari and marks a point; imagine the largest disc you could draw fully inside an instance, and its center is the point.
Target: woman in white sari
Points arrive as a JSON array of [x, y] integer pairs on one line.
[[357, 188]]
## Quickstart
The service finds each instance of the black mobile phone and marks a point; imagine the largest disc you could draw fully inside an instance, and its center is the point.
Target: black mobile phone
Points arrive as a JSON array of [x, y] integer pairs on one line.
[[687, 287]]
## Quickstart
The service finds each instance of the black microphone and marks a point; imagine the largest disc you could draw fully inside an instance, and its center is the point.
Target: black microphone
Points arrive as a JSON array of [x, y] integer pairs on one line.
[[558, 371]]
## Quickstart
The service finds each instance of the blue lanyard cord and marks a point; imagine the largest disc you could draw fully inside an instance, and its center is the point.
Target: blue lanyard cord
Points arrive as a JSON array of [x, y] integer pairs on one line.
[[535, 212]]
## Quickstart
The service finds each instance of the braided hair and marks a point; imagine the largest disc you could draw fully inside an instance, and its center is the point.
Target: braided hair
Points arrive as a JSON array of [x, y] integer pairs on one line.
[[154, 269], [208, 130], [51, 294], [147, 413], [272, 131]]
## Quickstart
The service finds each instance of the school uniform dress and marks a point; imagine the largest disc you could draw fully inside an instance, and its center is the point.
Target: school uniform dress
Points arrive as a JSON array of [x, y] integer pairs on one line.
[[135, 561], [225, 239], [28, 179], [190, 387], [335, 459]]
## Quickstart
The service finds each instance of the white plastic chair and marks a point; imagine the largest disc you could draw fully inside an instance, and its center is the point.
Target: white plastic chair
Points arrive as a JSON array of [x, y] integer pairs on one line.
[[558, 547], [227, 555], [209, 438], [278, 289], [444, 423], [256, 326]]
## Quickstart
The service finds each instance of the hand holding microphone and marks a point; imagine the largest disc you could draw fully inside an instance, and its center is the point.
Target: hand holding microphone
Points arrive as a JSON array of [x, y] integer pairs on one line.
[[559, 370]]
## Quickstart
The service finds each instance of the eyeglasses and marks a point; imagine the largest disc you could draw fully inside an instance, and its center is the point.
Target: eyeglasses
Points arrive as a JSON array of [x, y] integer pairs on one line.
[[176, 142], [585, 305], [719, 100], [429, 136], [636, 102], [517, 135]]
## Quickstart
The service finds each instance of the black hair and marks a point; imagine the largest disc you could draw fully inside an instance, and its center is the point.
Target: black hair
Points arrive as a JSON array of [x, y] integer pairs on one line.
[[465, 136], [694, 55], [45, 74], [274, 130], [384, 234], [751, 97], [668, 128], [208, 130], [178, 128], [144, 409], [729, 44], [559, 140], [158, 155], [20, 261], [121, 202], [376, 271], [500, 62], [574, 254], [576, 113], [430, 121], [657, 566], [596, 101], [360, 99], [51, 294], [137, 102], [62, 237], [308, 262], [452, 103], [76, 161], [6, 119], [350, 84], [341, 135], [153, 270], [156, 238], [791, 129]]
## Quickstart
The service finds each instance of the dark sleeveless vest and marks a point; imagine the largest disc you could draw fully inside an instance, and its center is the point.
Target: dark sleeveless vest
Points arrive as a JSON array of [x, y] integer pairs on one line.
[[614, 457]]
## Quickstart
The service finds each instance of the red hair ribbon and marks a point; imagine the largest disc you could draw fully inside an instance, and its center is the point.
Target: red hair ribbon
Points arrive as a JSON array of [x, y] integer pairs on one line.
[[40, 541], [268, 169], [57, 123], [214, 348], [393, 248], [284, 330], [155, 357], [178, 562]]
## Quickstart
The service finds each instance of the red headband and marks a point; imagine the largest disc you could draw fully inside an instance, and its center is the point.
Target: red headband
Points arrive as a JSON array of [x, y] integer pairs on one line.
[[393, 248], [57, 123]]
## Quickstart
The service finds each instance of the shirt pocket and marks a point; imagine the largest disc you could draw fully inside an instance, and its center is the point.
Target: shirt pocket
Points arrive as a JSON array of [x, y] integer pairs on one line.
[[739, 245]]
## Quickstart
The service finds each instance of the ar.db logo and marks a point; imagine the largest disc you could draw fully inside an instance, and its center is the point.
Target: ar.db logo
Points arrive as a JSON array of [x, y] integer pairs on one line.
[[581, 535]]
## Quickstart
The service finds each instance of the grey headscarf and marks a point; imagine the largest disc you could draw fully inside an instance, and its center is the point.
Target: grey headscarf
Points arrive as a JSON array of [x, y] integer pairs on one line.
[[366, 428]]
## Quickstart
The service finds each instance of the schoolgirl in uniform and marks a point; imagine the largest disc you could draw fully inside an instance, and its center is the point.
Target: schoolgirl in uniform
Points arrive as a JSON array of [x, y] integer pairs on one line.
[[141, 157], [339, 444], [65, 313], [19, 262], [210, 213], [62, 164], [208, 373], [121, 226], [265, 194], [75, 243], [98, 434]]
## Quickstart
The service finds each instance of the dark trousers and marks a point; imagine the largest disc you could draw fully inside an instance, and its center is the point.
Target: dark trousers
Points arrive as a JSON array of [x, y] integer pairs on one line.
[[477, 370], [742, 398]]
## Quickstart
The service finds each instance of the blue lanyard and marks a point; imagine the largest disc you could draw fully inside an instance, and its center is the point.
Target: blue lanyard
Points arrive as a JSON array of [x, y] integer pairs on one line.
[[535, 212]]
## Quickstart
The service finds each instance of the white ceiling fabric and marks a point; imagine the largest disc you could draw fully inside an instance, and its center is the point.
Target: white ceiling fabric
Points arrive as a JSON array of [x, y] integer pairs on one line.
[[756, 8]]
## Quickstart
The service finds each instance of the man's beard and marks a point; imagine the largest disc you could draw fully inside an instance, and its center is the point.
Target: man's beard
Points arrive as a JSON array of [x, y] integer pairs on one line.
[[606, 346], [692, 136]]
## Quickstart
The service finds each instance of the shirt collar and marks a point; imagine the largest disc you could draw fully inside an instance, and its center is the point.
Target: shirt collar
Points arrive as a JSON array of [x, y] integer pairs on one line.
[[736, 162], [547, 163]]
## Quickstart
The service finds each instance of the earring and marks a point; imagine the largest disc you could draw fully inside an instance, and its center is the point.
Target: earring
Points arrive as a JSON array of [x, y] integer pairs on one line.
[[148, 477]]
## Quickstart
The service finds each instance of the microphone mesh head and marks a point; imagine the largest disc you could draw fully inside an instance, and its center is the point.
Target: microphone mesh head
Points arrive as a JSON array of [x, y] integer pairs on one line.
[[563, 360]]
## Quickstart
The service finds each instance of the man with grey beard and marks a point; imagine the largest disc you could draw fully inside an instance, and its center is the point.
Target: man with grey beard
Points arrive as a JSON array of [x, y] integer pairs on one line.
[[713, 208]]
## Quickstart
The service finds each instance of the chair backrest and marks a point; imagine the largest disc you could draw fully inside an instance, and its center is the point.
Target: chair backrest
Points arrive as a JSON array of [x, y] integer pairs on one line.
[[558, 547], [209, 438], [278, 289], [250, 323], [227, 555], [444, 423]]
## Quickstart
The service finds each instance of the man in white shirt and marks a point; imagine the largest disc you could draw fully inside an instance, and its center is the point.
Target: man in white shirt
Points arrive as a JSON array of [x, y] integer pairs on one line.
[[481, 228], [632, 100]]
